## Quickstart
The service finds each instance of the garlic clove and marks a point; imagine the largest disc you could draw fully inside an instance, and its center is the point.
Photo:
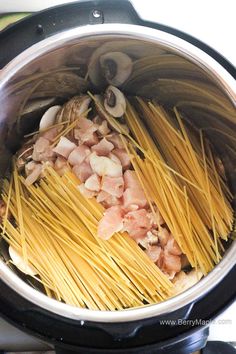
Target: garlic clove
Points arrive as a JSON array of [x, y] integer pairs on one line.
[[114, 101], [48, 118], [19, 262], [116, 67]]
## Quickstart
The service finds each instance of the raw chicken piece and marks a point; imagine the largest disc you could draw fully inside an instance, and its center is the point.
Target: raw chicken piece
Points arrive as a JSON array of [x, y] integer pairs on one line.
[[153, 252], [33, 171], [111, 222], [50, 134], [78, 155], [64, 147], [86, 192], [86, 132], [164, 236], [93, 183], [84, 124], [113, 185], [107, 199], [172, 247], [134, 197], [112, 201], [82, 171], [171, 263], [123, 157], [131, 180], [104, 166], [103, 148], [115, 139], [114, 158], [102, 196], [157, 219], [137, 223], [42, 150], [103, 128], [61, 165]]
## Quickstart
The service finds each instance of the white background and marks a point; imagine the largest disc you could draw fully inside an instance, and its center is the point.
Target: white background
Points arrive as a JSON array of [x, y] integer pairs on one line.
[[211, 21]]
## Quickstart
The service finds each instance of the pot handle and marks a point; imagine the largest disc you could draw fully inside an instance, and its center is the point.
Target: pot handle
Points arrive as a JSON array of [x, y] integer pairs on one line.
[[18, 36]]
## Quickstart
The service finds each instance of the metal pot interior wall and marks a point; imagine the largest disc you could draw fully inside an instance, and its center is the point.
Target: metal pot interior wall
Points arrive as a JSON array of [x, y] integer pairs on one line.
[[171, 77]]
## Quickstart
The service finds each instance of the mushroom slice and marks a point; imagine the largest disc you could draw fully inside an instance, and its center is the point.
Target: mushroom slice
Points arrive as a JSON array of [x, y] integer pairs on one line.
[[114, 101], [18, 261], [116, 67], [48, 118]]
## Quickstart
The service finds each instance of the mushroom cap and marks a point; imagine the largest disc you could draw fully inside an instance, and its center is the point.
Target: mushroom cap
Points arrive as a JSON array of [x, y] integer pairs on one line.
[[117, 67], [114, 101]]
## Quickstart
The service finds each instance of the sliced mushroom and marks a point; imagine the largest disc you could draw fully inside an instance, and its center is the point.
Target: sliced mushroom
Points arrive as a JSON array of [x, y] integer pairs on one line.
[[48, 118], [114, 101], [19, 262], [116, 67], [72, 109]]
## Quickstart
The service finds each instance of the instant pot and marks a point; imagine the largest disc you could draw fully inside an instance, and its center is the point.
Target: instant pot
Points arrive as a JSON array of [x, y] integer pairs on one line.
[[62, 40]]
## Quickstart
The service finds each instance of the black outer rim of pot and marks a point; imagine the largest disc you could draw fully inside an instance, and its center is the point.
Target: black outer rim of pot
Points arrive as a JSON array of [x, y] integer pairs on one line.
[[59, 330]]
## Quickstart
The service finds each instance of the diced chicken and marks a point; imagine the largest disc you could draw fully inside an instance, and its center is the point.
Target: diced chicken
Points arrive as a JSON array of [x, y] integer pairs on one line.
[[137, 223], [111, 222], [78, 155], [86, 132], [156, 218], [50, 134], [34, 171], [102, 196], [153, 252], [152, 238], [61, 166], [131, 180], [42, 150], [113, 185], [93, 183], [86, 192], [103, 148], [107, 199], [123, 157], [82, 171], [172, 247], [164, 236], [171, 263], [134, 197], [103, 128], [104, 166], [112, 201], [115, 139], [114, 158], [64, 147], [84, 124]]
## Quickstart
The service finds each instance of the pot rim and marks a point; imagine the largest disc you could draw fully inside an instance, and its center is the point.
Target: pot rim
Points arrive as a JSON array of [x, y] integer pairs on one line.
[[227, 83]]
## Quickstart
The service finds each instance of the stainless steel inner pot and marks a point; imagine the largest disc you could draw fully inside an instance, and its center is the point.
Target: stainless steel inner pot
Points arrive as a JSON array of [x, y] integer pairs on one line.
[[50, 71]]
